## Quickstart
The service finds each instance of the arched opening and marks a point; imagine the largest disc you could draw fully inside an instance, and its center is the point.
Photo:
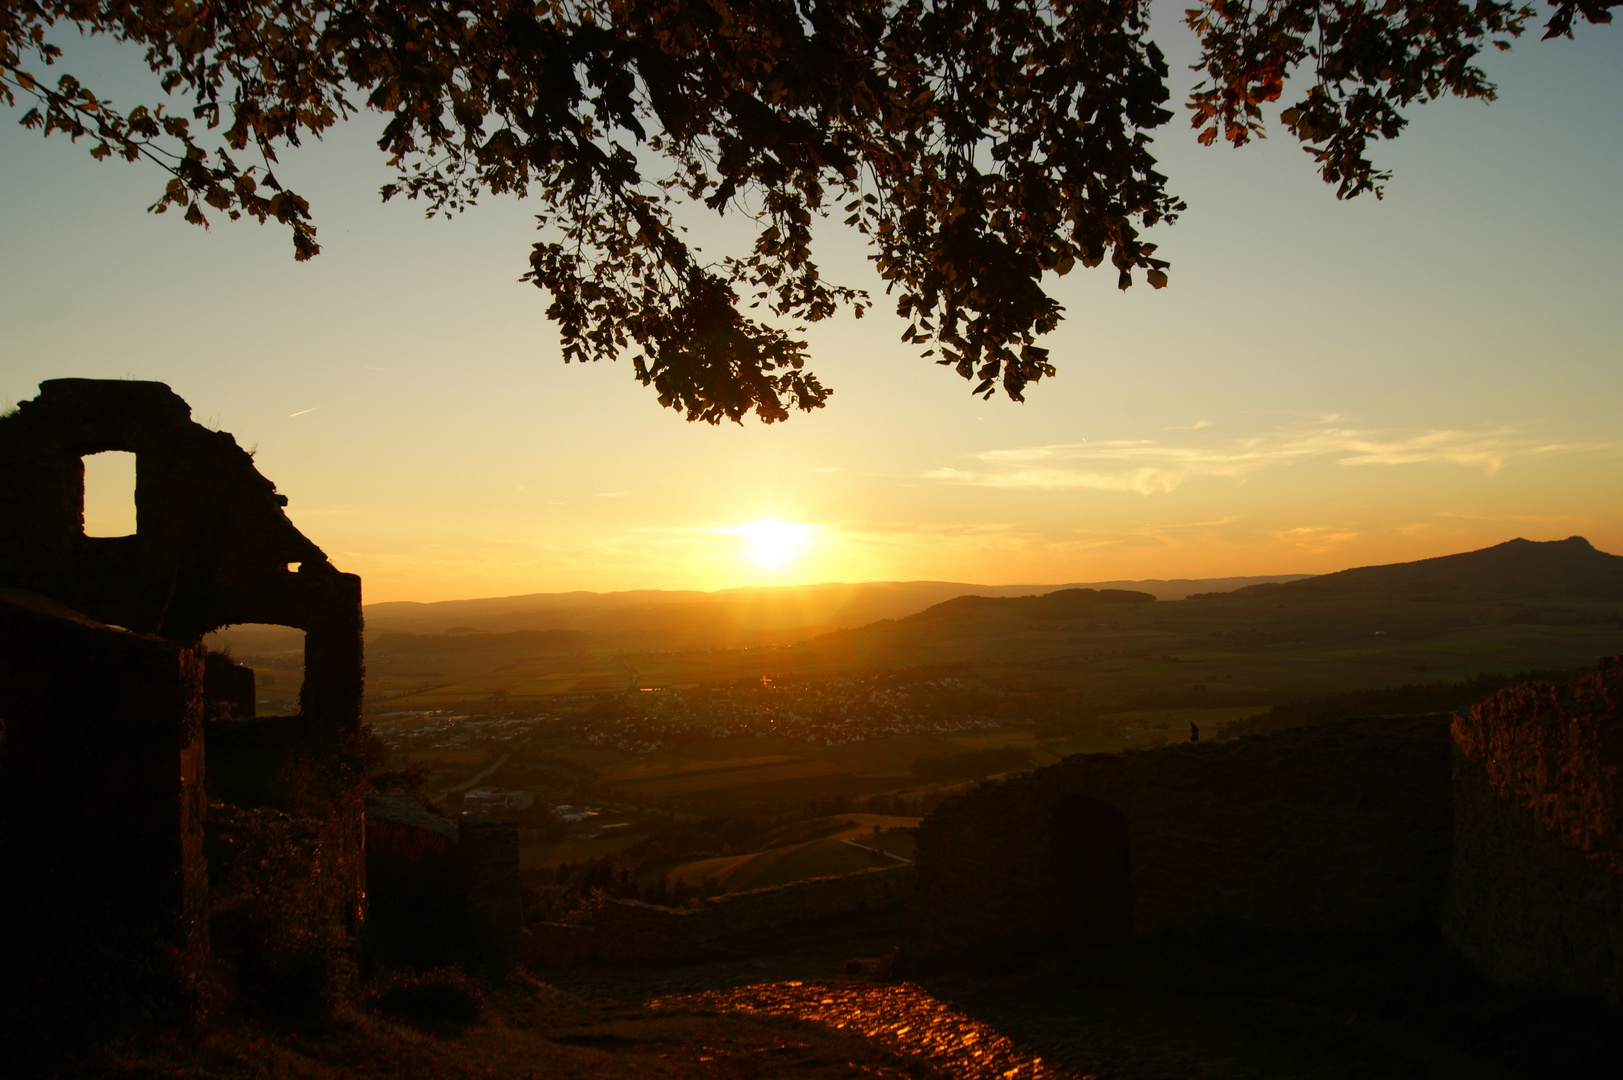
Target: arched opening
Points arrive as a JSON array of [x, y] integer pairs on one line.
[[109, 493], [1092, 873], [275, 655], [258, 740]]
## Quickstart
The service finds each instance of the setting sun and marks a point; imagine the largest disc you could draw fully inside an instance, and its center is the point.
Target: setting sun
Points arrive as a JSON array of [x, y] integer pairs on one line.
[[772, 544]]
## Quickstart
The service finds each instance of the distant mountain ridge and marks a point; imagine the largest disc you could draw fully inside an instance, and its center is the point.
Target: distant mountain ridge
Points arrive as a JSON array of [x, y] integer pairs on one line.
[[733, 616], [1060, 604], [1516, 568]]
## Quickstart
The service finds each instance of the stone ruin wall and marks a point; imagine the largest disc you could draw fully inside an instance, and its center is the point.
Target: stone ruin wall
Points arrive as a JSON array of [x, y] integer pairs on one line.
[[1536, 895], [1335, 826], [494, 901], [459, 879], [101, 778], [212, 547]]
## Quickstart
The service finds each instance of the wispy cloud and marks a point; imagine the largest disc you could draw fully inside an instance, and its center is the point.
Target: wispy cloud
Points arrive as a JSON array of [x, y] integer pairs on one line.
[[1151, 467], [1316, 539]]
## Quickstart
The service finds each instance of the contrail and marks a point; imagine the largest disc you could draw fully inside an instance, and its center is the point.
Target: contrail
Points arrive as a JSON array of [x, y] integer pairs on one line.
[[301, 412]]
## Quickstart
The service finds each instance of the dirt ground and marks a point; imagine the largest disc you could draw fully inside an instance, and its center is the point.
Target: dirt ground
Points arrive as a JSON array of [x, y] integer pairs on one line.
[[826, 1000], [1032, 1023]]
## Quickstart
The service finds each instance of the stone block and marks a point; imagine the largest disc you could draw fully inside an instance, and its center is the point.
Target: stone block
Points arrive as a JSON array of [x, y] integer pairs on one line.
[[1536, 886], [1336, 826], [101, 775]]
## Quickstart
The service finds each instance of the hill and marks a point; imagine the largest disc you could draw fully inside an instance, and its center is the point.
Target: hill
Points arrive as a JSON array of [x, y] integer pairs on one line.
[[1061, 604], [1515, 569], [731, 618], [1513, 607], [454, 648]]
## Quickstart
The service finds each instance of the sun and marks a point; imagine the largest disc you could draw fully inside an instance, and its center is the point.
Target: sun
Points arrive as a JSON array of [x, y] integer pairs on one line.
[[773, 544]]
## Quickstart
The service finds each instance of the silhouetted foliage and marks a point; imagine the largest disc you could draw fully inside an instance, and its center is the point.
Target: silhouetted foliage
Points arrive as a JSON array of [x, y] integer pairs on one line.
[[569, 893], [282, 791], [274, 918], [978, 145]]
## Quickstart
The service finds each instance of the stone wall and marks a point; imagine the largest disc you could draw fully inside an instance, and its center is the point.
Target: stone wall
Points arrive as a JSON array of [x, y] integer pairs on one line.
[[1334, 826], [1536, 895], [438, 890], [495, 905], [629, 931], [101, 781], [228, 689], [212, 547]]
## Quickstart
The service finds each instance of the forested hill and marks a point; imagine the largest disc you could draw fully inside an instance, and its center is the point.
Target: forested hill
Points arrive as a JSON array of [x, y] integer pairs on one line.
[[1064, 604], [739, 617], [1516, 568]]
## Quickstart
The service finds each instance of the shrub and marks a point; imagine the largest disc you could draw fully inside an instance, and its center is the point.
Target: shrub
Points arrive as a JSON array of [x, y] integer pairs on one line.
[[437, 999], [278, 914]]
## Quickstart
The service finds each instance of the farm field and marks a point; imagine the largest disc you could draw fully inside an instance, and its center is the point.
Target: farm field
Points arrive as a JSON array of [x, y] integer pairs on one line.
[[1211, 663], [580, 849], [1243, 652], [669, 775], [671, 779], [858, 842], [711, 770], [1248, 650], [640, 723]]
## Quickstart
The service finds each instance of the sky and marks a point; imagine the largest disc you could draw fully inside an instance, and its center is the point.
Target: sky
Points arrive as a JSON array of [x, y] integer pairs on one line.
[[1324, 384]]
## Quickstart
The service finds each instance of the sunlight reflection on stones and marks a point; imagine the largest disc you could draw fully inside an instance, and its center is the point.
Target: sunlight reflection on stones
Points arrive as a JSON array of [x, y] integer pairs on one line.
[[901, 1016]]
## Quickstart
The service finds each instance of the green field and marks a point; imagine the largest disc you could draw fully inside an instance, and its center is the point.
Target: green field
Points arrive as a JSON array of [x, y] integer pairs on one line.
[[577, 850], [858, 842], [693, 778]]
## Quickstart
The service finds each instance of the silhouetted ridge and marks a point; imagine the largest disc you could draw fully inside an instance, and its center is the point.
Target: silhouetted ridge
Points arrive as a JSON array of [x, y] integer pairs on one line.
[[1570, 567], [388, 650], [1064, 604]]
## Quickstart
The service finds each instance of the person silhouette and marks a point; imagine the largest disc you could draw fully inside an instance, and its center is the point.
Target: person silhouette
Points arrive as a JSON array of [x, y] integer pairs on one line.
[[1194, 732]]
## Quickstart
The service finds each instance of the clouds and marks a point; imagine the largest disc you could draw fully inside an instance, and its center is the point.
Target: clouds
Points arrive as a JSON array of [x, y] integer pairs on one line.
[[1151, 467]]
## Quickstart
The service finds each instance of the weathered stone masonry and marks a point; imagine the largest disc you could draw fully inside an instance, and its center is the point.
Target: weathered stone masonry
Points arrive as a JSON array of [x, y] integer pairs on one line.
[[101, 777], [212, 545], [1536, 894], [1504, 825], [439, 884], [212, 548], [1325, 827]]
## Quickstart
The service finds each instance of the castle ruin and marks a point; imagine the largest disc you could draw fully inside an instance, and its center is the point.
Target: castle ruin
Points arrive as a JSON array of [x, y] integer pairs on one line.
[[104, 684], [1504, 827]]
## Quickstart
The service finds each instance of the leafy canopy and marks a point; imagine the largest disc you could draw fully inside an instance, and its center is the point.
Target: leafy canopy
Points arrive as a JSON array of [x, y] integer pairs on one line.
[[979, 145]]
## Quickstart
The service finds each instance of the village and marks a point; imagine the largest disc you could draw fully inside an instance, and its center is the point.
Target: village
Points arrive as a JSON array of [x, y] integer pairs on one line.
[[824, 712]]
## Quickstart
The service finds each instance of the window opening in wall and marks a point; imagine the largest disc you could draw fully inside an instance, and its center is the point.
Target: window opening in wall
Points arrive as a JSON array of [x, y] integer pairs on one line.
[[276, 656], [110, 493]]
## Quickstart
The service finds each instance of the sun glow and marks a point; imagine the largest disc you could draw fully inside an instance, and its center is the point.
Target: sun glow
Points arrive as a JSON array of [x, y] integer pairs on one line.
[[774, 544]]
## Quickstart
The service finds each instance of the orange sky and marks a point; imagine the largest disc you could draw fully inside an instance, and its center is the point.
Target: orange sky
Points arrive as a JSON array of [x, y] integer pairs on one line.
[[1324, 384]]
